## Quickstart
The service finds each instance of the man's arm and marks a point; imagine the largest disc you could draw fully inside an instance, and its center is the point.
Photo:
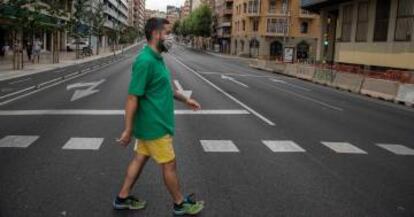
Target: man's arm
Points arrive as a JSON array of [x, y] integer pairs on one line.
[[190, 102], [180, 97], [130, 109]]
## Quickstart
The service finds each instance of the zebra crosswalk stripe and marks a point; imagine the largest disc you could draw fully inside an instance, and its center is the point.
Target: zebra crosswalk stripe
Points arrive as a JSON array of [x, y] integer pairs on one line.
[[397, 149], [344, 148], [219, 146], [17, 141], [282, 146], [83, 143]]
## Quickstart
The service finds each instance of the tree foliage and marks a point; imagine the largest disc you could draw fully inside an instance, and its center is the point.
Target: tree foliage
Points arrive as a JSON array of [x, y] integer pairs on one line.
[[198, 23]]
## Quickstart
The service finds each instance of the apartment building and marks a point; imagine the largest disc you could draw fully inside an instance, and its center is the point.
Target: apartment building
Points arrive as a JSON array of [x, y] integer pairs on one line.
[[223, 17], [138, 14], [185, 9], [372, 33], [268, 29], [173, 13]]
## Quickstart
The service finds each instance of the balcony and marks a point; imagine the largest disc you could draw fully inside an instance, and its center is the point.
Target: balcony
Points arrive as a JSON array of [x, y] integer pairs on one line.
[[315, 5], [305, 14], [277, 13], [223, 35], [227, 11], [274, 34], [224, 24]]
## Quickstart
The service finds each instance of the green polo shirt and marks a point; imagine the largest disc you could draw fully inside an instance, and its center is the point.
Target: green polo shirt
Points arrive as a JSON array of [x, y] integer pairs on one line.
[[151, 82]]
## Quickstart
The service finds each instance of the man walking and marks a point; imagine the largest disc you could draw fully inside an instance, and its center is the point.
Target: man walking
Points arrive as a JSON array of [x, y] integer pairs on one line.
[[149, 116]]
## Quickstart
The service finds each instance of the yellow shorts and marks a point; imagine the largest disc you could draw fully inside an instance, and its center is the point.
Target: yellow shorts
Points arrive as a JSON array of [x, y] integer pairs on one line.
[[161, 149]]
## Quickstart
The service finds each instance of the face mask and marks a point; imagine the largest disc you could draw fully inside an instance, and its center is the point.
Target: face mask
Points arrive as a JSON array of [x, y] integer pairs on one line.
[[166, 44]]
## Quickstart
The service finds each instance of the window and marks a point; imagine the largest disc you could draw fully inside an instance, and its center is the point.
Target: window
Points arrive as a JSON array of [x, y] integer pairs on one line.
[[255, 25], [382, 16], [276, 25], [241, 45], [253, 6], [304, 27], [346, 23], [244, 8], [285, 6], [362, 22], [272, 6], [244, 25], [405, 18]]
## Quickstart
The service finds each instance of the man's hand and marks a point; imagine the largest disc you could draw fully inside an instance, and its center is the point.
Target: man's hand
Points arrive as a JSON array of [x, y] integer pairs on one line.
[[125, 138], [194, 105]]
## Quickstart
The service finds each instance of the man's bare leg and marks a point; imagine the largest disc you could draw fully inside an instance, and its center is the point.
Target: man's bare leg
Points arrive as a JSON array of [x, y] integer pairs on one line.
[[169, 171], [133, 171]]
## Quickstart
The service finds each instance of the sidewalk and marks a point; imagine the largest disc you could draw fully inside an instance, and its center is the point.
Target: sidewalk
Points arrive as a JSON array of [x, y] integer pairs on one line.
[[66, 59]]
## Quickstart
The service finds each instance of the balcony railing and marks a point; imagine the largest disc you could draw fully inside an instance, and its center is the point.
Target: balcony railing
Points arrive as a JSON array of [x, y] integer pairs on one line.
[[227, 11], [306, 14]]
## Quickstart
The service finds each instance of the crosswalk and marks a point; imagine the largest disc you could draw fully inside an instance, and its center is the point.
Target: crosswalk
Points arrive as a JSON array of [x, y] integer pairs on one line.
[[211, 146]]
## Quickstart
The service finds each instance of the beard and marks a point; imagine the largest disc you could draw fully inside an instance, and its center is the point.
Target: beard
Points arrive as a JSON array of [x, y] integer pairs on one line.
[[161, 47]]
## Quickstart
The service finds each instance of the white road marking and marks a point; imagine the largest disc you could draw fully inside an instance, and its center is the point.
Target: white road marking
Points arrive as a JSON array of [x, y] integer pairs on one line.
[[50, 81], [289, 84], [219, 146], [226, 94], [225, 77], [310, 99], [17, 92], [344, 148], [282, 146], [397, 149], [211, 112], [113, 112], [186, 93], [85, 92], [20, 81], [83, 143], [45, 87], [17, 141]]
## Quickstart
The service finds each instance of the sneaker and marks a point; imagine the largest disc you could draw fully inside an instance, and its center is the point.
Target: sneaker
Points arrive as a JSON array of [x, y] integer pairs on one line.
[[129, 202], [188, 207]]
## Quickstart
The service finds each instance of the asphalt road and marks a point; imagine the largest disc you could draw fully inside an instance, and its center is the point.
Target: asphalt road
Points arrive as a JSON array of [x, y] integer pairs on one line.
[[263, 145]]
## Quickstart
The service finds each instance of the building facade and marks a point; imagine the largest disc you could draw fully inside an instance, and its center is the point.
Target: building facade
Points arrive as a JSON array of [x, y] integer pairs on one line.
[[374, 33], [265, 29], [173, 14], [223, 17], [154, 13], [139, 14], [197, 3], [185, 9], [116, 13]]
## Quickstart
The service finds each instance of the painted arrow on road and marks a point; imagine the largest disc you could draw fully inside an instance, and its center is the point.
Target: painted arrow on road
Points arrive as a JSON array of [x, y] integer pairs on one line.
[[186, 93], [225, 77], [84, 92]]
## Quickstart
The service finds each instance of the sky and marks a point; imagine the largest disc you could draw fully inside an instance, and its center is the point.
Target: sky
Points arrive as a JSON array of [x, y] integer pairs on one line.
[[162, 4]]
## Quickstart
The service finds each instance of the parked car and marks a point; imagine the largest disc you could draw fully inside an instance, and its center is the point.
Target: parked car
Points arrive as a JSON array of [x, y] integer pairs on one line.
[[72, 45]]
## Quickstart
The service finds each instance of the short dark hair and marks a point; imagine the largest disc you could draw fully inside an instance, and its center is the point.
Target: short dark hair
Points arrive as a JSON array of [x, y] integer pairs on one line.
[[154, 23]]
